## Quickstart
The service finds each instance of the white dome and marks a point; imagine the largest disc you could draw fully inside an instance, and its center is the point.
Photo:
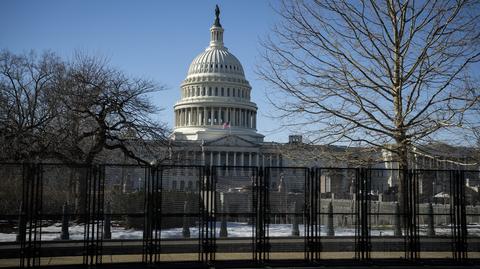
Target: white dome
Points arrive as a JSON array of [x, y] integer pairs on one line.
[[216, 60], [215, 96]]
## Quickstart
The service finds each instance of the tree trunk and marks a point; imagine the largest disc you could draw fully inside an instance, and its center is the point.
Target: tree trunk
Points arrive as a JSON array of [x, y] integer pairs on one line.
[[402, 195]]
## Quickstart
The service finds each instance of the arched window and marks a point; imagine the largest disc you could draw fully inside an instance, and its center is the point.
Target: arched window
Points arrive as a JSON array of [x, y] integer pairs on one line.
[[222, 92], [216, 91], [210, 91]]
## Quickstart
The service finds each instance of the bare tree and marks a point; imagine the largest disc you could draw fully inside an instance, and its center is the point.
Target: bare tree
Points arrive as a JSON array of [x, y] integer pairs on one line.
[[380, 73], [107, 110], [74, 111], [387, 74], [28, 104]]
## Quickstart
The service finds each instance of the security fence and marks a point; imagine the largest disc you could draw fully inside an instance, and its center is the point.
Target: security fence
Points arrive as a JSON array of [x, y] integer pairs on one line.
[[53, 214]]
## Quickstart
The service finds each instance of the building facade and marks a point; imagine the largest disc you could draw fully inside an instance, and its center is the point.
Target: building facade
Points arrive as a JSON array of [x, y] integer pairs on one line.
[[216, 124]]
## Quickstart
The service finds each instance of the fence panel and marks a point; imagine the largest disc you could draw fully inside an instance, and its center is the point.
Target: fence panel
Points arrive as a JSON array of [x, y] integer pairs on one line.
[[55, 213]]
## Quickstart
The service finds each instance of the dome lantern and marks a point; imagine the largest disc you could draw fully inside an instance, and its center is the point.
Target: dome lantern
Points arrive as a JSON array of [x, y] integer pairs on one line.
[[216, 32]]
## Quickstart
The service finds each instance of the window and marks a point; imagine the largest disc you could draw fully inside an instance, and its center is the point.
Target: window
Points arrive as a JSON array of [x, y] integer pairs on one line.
[[216, 91], [190, 185], [228, 91], [210, 91], [222, 92], [182, 185], [234, 92], [174, 185], [203, 91]]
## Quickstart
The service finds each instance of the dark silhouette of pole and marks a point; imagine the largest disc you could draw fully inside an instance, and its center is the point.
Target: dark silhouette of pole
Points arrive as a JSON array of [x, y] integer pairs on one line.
[[22, 225], [186, 226], [397, 224], [330, 229], [65, 235], [430, 220], [107, 233], [295, 230], [223, 225]]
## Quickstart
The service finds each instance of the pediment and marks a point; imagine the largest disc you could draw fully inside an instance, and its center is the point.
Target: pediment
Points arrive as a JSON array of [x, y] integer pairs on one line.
[[231, 140]]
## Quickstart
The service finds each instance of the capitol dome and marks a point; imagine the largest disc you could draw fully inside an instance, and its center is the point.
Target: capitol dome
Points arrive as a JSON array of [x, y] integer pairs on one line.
[[215, 96], [218, 60]]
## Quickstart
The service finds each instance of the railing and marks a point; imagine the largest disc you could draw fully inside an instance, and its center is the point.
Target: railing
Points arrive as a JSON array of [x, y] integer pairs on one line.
[[69, 214]]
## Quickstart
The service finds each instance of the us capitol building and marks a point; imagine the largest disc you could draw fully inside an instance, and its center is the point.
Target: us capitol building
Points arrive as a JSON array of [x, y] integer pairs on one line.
[[216, 124], [215, 120]]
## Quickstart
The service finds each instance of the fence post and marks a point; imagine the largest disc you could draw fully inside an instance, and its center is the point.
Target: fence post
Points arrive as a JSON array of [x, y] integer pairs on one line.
[[295, 230], [430, 220], [330, 229], [65, 234], [22, 225], [107, 233], [223, 225], [397, 229], [186, 225]]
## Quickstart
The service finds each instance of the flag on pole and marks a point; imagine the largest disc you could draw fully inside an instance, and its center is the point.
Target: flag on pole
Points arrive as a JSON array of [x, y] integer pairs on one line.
[[226, 125]]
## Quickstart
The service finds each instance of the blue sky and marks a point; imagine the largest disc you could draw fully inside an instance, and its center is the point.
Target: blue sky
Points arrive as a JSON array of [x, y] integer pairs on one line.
[[150, 39]]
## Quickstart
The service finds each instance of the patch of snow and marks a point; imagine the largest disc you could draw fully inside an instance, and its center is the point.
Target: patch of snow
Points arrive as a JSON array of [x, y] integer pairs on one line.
[[234, 229]]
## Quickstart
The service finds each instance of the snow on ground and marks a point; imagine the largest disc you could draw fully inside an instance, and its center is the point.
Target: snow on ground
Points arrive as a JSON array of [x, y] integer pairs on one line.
[[234, 229]]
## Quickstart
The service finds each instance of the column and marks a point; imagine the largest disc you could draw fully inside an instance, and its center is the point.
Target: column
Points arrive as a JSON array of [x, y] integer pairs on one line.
[[194, 116], [184, 116], [176, 118], [220, 118], [204, 116], [245, 118], [179, 117], [197, 116], [211, 157], [234, 162], [257, 159], [240, 117], [249, 159], [278, 160], [219, 157], [242, 158], [211, 115]]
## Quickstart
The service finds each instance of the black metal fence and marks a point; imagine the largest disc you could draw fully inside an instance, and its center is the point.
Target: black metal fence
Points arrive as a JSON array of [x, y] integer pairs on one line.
[[71, 214]]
